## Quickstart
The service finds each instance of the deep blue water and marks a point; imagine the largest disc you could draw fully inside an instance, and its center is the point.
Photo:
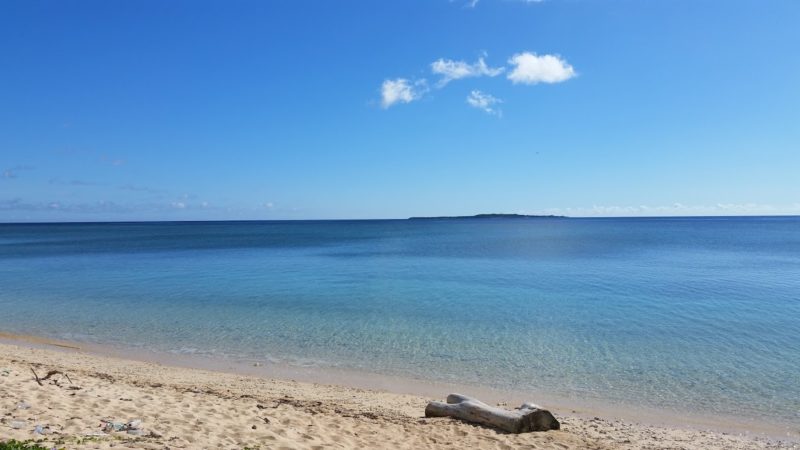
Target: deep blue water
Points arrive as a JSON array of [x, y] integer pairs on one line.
[[684, 313]]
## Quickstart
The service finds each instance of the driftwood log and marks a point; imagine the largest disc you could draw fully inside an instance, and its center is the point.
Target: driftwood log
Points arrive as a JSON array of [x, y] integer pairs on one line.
[[526, 418]]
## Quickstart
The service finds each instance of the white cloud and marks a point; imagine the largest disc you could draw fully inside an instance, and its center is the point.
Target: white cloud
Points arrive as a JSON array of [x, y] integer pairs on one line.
[[530, 68], [401, 90], [526, 68], [454, 70], [485, 102]]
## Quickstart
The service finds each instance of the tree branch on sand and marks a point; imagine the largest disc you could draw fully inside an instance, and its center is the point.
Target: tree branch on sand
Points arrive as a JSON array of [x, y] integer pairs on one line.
[[526, 418], [49, 375]]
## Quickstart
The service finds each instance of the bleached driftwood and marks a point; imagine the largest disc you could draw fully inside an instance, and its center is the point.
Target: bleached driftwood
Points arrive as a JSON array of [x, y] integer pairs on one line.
[[528, 417]]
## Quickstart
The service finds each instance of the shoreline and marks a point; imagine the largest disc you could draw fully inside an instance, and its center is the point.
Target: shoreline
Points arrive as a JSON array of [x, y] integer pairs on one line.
[[367, 384]]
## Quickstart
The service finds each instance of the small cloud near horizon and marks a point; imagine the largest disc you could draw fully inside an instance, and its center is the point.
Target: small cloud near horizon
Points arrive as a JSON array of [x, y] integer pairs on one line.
[[677, 209], [17, 204], [101, 206]]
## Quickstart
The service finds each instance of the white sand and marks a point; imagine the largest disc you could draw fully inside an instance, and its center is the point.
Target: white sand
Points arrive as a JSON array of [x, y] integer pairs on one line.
[[190, 408]]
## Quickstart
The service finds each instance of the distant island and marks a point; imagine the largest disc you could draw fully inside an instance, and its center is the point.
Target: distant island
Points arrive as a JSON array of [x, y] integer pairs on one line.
[[490, 216]]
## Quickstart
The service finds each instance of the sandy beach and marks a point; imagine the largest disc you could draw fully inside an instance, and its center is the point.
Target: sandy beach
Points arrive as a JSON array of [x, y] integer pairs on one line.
[[176, 407]]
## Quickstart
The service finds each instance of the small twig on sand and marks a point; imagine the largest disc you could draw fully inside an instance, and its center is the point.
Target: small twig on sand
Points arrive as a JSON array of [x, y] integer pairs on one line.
[[49, 375], [37, 377]]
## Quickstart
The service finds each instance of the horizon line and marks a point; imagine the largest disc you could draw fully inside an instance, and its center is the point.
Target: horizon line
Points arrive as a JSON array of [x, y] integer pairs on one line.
[[431, 218]]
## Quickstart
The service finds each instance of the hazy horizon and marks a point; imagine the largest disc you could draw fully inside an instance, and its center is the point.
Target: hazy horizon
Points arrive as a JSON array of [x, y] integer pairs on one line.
[[777, 216]]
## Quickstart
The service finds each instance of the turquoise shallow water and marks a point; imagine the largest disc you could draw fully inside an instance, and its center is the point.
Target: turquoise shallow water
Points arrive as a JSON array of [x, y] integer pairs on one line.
[[698, 314]]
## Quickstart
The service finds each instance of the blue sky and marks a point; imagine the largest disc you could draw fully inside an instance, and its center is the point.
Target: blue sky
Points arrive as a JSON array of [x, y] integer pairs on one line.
[[187, 110]]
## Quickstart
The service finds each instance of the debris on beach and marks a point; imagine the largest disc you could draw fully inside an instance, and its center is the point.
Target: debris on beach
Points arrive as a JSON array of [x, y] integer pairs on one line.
[[132, 427], [109, 425], [526, 418], [42, 430], [49, 376]]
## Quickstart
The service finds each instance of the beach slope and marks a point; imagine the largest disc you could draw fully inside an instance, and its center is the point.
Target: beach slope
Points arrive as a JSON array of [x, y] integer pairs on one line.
[[190, 408]]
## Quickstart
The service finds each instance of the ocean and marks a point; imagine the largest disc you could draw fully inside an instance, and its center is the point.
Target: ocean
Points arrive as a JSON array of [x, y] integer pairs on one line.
[[700, 315]]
